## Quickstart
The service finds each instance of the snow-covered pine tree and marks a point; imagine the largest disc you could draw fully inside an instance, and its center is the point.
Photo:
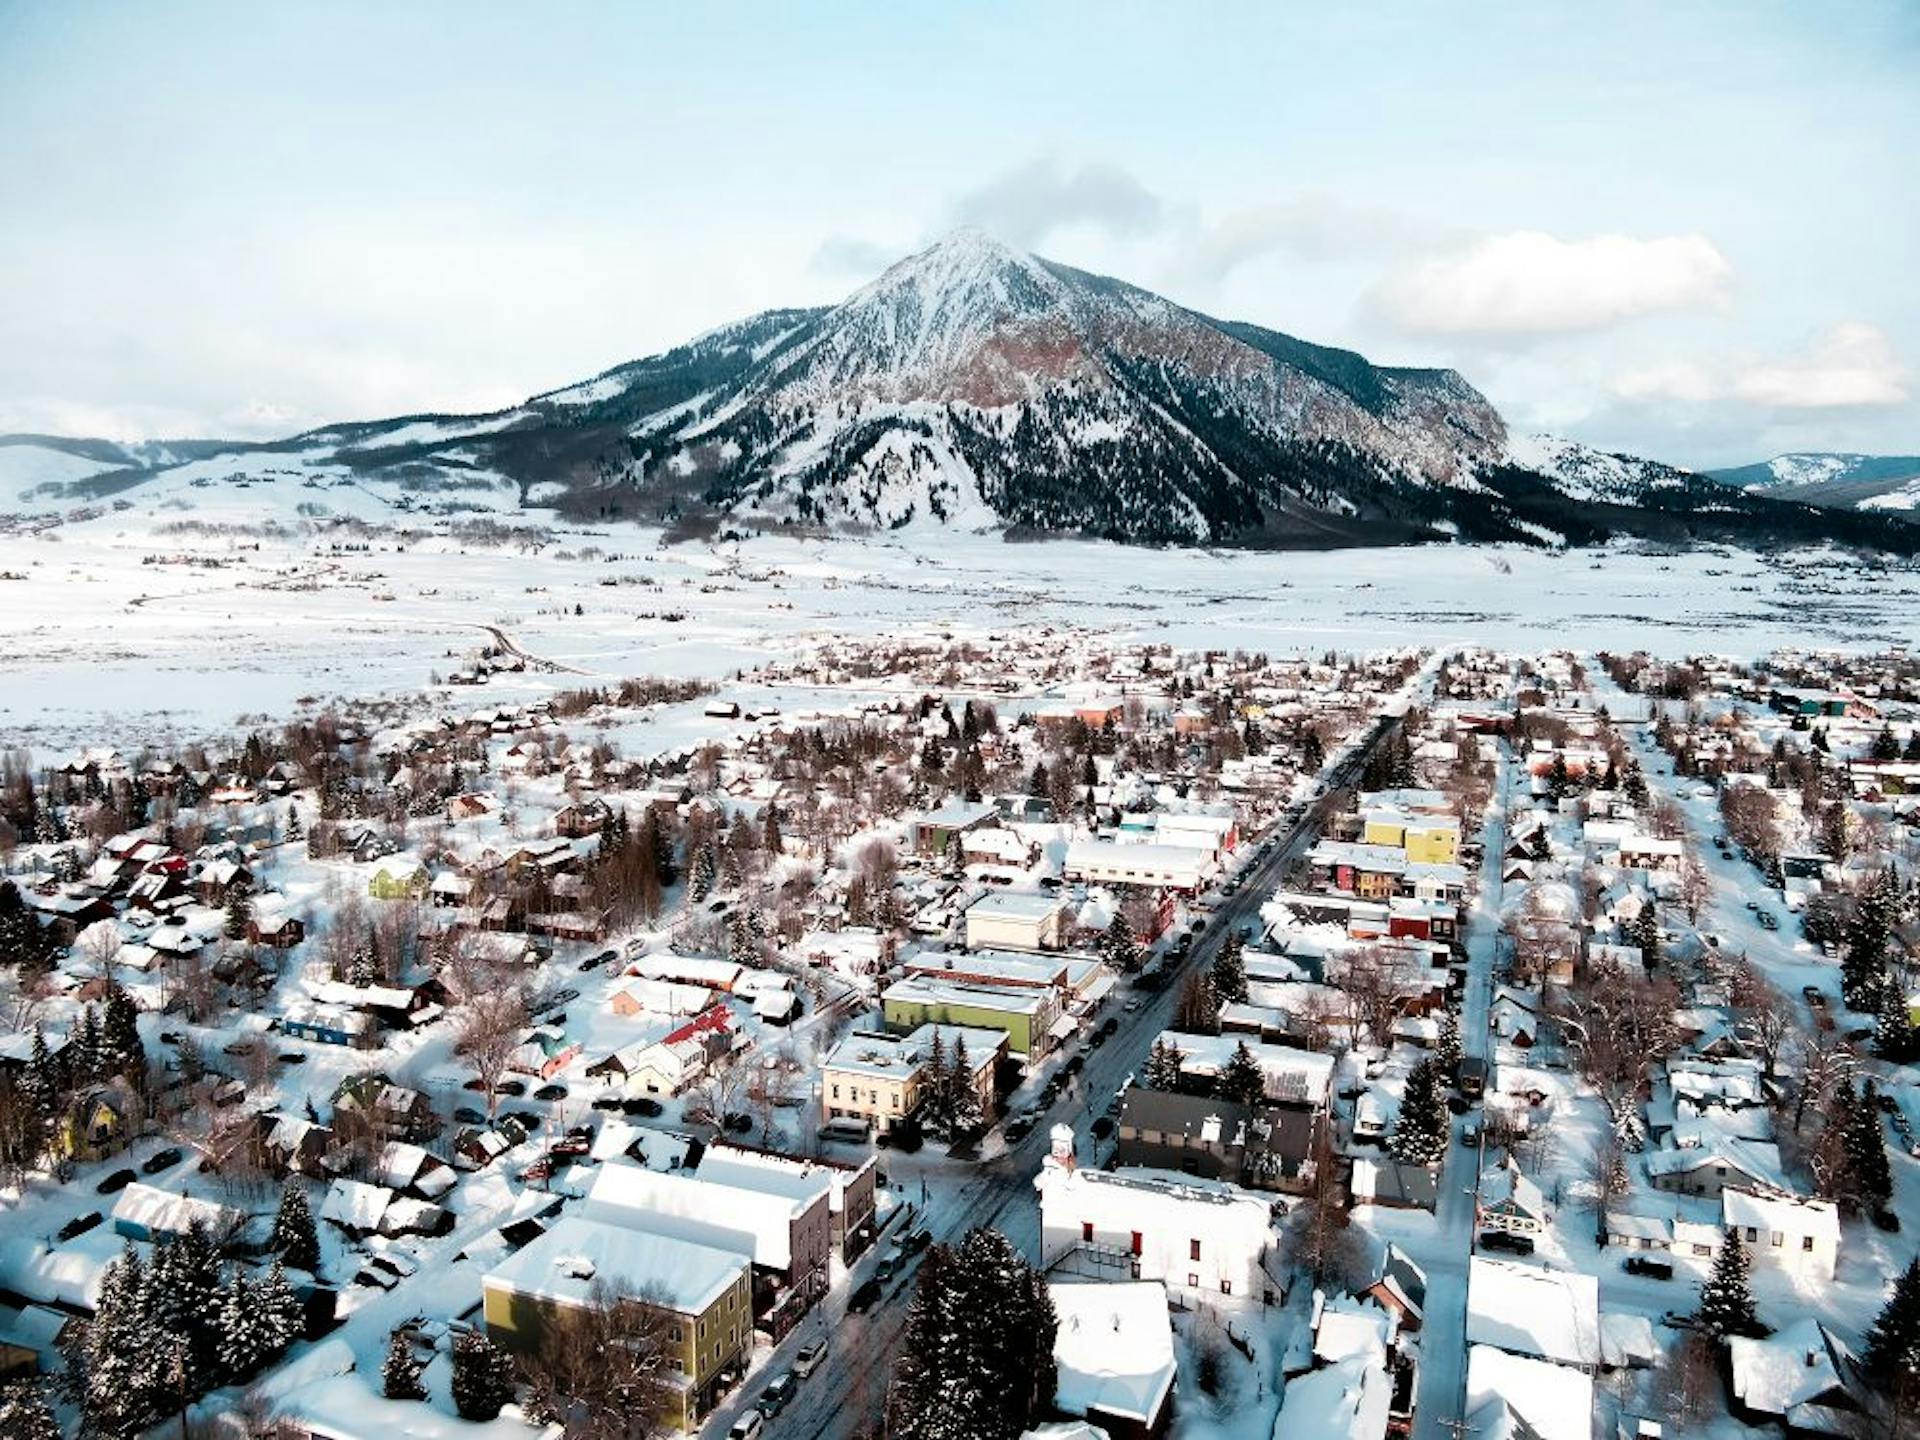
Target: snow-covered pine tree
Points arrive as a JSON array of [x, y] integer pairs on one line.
[[1891, 1358], [1420, 1132], [239, 910], [1229, 974], [1726, 1295], [936, 1090], [1118, 947], [25, 1413], [1242, 1081], [294, 1238], [482, 1377], [241, 1347], [1446, 1045], [400, 1374], [1893, 1028], [1645, 932], [1162, 1070], [121, 1051], [968, 1116], [282, 1317], [1869, 1181], [1863, 972]]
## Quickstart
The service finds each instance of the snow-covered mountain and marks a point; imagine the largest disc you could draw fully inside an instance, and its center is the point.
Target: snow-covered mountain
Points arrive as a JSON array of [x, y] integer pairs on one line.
[[970, 385], [1844, 481]]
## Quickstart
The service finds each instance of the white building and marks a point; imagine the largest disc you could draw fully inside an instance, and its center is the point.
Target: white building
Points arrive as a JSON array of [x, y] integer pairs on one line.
[[1156, 867], [1114, 1354], [1198, 1237], [1535, 1312], [1794, 1233], [1511, 1394], [1013, 920]]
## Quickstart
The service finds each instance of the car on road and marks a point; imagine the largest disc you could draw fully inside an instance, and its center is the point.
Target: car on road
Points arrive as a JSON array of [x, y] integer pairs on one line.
[[776, 1396], [594, 962], [888, 1267], [1018, 1128], [1109, 1025], [118, 1180], [1075, 1064], [1134, 1002], [1506, 1240], [1767, 921], [809, 1358], [1648, 1266], [160, 1160], [1816, 997], [748, 1426], [865, 1296]]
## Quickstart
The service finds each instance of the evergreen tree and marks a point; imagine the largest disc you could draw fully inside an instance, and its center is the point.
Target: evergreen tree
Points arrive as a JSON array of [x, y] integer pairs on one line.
[[1420, 1132], [1863, 973], [968, 1115], [1911, 752], [296, 832], [1162, 1070], [977, 1359], [25, 1413], [1242, 1081], [241, 1348], [400, 1375], [1446, 1045], [1869, 1175], [1645, 933], [283, 1319], [482, 1377], [1726, 1297], [1313, 754], [239, 910], [936, 1090], [1893, 1030], [705, 870], [1891, 1358], [121, 1051], [294, 1237], [1637, 793], [1229, 974], [1885, 746], [1037, 784], [1118, 947], [1540, 844], [85, 1048]]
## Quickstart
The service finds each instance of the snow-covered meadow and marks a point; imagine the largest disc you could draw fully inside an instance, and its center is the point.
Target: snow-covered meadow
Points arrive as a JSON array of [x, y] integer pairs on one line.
[[111, 632]]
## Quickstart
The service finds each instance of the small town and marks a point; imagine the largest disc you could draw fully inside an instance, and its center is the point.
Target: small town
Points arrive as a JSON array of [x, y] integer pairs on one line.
[[1113, 1040]]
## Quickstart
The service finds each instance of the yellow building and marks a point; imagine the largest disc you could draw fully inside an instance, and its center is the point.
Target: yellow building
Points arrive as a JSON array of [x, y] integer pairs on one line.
[[1426, 839], [702, 1295]]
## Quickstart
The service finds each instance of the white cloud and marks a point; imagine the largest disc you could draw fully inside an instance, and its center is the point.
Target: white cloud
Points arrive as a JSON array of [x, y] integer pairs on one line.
[[1024, 206], [1530, 283], [1852, 365], [1682, 380]]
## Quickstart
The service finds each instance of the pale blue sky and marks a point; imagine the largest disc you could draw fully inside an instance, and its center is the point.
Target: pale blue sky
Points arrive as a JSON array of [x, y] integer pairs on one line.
[[1661, 227]]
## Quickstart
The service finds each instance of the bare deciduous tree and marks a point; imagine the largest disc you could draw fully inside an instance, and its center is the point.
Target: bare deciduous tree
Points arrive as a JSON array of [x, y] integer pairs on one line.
[[492, 1025]]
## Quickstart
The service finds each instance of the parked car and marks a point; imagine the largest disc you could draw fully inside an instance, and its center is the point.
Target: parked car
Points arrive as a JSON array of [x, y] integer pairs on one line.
[[78, 1225], [551, 1092], [1648, 1266], [116, 1182], [641, 1105], [809, 1358], [1506, 1240], [1816, 997], [748, 1426], [887, 1267], [774, 1398], [865, 1296], [916, 1242], [160, 1160], [594, 962], [1109, 1025]]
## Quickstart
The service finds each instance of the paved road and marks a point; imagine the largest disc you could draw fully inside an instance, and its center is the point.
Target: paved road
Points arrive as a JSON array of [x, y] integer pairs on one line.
[[840, 1400]]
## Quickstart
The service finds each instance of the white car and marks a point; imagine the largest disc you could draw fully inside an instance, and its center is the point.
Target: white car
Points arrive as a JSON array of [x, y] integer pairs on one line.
[[747, 1426], [809, 1358]]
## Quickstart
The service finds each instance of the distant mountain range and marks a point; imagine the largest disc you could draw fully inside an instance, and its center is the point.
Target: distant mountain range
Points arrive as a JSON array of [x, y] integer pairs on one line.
[[1845, 482], [976, 386]]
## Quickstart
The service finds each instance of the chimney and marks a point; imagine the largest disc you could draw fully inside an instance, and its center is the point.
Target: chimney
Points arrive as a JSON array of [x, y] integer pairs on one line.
[[1063, 1146]]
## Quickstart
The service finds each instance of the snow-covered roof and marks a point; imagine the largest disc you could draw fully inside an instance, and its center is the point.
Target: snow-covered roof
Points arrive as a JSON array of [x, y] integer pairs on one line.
[[754, 1223], [1553, 1401], [1778, 1212], [167, 1212], [1114, 1349], [1530, 1310], [1349, 1400], [566, 1263]]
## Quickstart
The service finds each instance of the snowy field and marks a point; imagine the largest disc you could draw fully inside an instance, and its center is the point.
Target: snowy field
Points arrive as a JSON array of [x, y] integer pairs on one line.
[[115, 634]]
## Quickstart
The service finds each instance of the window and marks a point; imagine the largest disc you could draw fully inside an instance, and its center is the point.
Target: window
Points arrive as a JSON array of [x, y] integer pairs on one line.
[[1193, 1249], [1193, 1281], [1226, 1287], [1137, 1247], [1752, 1234], [1806, 1242], [1778, 1239], [1086, 1231]]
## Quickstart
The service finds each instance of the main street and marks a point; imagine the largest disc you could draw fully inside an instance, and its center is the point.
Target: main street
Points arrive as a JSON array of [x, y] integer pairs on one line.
[[842, 1399]]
